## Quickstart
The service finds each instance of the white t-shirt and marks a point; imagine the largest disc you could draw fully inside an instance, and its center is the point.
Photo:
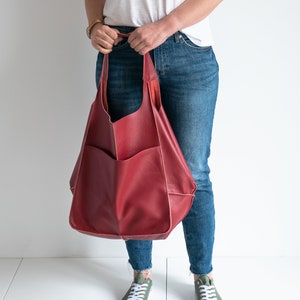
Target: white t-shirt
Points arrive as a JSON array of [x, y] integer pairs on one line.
[[139, 12]]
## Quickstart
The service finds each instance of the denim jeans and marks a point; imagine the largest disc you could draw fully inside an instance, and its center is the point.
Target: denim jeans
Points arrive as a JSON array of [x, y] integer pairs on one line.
[[188, 76]]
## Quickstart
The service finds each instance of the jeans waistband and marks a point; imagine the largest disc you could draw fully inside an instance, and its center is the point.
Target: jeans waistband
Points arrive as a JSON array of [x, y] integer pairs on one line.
[[127, 29], [123, 29]]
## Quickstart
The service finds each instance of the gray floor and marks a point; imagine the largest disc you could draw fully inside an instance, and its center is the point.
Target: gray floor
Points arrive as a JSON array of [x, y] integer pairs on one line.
[[108, 279]]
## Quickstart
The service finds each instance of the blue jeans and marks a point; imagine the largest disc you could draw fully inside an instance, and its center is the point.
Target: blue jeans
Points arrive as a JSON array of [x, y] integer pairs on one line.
[[188, 76]]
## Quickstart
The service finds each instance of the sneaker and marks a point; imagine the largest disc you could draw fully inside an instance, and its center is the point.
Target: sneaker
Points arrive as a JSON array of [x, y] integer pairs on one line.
[[205, 289], [139, 289]]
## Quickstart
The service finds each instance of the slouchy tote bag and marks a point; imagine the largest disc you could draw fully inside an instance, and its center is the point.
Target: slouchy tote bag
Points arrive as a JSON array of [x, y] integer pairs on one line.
[[131, 180]]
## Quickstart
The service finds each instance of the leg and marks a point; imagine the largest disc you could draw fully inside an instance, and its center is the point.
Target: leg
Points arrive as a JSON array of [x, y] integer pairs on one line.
[[189, 84], [140, 255]]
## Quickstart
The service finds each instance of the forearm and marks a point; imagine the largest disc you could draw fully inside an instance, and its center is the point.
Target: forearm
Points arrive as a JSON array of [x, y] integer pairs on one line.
[[151, 35], [188, 13], [94, 9]]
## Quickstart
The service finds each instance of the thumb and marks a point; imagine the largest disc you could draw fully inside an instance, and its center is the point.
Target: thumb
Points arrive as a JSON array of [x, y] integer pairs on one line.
[[119, 38]]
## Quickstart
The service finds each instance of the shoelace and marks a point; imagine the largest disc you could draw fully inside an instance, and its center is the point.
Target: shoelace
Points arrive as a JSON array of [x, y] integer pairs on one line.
[[207, 292], [137, 291]]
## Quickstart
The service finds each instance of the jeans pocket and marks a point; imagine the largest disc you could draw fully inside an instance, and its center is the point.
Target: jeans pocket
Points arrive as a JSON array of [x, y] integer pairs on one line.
[[187, 42]]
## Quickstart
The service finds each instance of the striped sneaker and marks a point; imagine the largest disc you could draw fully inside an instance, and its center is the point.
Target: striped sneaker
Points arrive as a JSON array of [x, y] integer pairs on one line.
[[205, 289], [139, 289]]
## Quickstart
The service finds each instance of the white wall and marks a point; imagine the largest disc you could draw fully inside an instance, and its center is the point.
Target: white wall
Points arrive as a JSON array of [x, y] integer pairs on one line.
[[47, 86]]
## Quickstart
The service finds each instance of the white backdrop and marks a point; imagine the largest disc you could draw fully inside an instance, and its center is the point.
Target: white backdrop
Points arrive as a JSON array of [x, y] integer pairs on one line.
[[47, 86]]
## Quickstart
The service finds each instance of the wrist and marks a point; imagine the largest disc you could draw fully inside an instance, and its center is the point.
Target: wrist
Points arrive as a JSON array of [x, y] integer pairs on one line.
[[92, 25], [170, 24]]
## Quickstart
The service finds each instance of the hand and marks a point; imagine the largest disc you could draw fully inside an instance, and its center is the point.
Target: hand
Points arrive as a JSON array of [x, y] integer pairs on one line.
[[147, 37], [104, 38]]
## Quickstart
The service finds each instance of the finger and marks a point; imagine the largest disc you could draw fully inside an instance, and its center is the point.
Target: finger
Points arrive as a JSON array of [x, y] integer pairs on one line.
[[138, 44], [143, 51], [112, 32], [131, 38], [102, 37], [134, 42], [105, 33], [101, 49], [139, 48], [103, 43], [106, 40], [135, 35]]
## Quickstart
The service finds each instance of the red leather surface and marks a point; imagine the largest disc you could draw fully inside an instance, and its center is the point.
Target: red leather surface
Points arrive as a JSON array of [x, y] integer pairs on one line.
[[131, 180]]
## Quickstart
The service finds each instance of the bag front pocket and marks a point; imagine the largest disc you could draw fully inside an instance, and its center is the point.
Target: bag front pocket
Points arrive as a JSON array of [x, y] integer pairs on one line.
[[118, 194]]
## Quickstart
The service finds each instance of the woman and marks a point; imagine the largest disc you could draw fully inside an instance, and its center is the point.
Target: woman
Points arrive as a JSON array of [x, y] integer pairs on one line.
[[178, 37]]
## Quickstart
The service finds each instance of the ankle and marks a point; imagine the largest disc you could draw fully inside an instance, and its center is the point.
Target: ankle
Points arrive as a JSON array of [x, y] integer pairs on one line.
[[146, 274]]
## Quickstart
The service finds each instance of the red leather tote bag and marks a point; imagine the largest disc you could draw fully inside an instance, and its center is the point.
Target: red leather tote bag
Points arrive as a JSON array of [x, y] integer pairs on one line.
[[131, 180]]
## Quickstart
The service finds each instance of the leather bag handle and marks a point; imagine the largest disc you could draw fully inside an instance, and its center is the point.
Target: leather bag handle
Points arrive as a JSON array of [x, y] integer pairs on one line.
[[149, 75], [149, 72]]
